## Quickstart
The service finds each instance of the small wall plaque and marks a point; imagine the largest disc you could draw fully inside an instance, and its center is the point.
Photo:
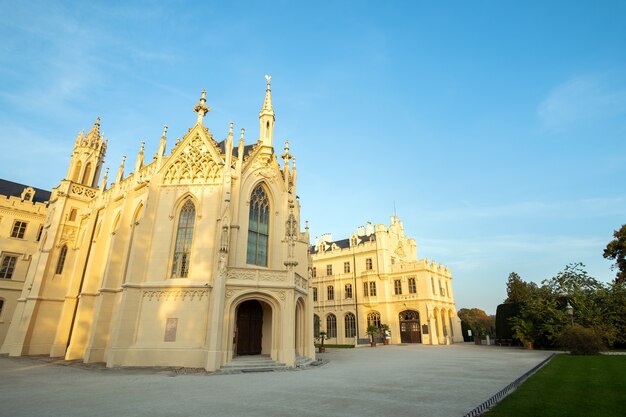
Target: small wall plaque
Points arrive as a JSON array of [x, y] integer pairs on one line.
[[170, 329]]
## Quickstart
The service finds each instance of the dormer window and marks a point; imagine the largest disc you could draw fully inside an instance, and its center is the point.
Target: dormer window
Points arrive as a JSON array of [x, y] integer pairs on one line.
[[28, 194]]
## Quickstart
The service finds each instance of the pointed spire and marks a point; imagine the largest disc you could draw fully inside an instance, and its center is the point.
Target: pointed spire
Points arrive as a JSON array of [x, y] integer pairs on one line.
[[266, 117], [79, 137], [94, 134], [240, 150], [162, 144], [103, 184], [228, 147], [120, 171], [139, 162], [267, 103], [201, 108]]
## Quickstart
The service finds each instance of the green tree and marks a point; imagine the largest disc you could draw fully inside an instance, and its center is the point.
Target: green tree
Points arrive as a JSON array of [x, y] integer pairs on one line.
[[595, 306], [616, 250], [517, 290], [477, 320]]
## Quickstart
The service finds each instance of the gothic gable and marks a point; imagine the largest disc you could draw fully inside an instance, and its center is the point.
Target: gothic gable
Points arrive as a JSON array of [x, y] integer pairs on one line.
[[194, 161]]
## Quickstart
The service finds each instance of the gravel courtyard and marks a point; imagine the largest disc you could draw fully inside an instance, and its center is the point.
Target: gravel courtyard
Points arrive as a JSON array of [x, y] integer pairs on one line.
[[405, 380]]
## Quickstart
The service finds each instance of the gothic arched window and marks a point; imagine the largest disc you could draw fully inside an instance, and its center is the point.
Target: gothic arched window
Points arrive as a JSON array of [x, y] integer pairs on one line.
[[350, 325], [331, 326], [86, 175], [373, 319], [184, 236], [61, 261], [258, 227], [316, 325]]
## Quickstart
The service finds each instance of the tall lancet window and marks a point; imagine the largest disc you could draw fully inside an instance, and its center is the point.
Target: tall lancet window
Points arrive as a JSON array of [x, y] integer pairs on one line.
[[184, 236], [258, 227]]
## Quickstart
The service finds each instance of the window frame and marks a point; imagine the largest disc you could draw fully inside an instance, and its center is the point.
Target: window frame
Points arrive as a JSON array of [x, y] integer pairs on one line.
[[373, 318], [259, 198], [347, 291], [346, 267], [349, 324], [412, 286], [397, 287], [8, 270], [329, 269], [314, 293], [369, 265], [61, 260], [331, 326], [372, 288], [330, 293], [18, 231], [183, 243]]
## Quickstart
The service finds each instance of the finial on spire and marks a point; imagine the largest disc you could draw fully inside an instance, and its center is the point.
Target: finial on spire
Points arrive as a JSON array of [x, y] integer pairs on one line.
[[287, 155], [201, 108], [97, 120], [267, 103], [230, 129], [164, 130]]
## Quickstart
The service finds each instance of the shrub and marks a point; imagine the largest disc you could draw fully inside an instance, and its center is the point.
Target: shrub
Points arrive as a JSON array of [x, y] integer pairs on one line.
[[580, 340]]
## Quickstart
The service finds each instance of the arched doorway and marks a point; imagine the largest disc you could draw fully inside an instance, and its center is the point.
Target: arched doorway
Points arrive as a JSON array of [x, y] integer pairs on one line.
[[249, 328], [410, 327]]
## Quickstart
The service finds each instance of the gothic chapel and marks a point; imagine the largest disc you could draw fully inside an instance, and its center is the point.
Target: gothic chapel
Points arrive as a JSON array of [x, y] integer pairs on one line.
[[192, 260]]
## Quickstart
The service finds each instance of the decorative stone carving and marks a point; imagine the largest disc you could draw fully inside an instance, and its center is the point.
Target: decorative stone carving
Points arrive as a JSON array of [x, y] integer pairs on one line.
[[81, 191], [193, 165], [68, 235], [271, 276], [175, 294], [280, 294]]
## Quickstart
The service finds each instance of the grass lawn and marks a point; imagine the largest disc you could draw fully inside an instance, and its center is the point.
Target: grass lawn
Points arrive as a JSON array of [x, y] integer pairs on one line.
[[570, 386]]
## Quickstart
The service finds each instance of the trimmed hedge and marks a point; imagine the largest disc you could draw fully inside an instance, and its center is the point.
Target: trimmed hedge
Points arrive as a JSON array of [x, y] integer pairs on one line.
[[580, 340]]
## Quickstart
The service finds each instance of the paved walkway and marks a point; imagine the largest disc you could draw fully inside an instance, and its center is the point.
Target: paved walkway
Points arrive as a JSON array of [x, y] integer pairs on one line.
[[411, 380]]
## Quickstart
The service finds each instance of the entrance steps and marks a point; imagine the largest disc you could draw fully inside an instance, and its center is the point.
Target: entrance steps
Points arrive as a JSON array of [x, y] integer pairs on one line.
[[252, 363]]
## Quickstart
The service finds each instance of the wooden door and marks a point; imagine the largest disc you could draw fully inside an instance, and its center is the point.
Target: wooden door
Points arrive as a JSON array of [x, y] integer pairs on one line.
[[249, 328], [410, 331]]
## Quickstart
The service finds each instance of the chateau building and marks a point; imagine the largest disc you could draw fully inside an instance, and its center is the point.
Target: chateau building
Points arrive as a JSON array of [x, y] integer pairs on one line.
[[374, 277], [23, 211], [193, 259]]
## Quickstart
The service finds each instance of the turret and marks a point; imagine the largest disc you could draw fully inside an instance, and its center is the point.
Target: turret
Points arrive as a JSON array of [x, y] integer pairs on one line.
[[87, 157], [266, 117]]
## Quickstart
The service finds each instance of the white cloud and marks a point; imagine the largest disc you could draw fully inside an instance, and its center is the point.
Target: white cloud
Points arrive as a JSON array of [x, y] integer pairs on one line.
[[578, 100]]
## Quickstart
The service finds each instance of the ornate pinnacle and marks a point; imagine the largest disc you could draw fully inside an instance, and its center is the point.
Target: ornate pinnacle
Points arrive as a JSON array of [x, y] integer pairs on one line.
[[201, 108], [287, 155], [267, 103], [164, 130]]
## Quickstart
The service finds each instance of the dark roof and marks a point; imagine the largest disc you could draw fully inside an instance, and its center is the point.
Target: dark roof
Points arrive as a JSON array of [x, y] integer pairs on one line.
[[345, 243], [222, 147], [10, 188]]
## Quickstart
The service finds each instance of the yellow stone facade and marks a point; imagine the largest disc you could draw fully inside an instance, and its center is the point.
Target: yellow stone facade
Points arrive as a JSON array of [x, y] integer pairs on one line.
[[190, 260], [374, 277], [23, 211]]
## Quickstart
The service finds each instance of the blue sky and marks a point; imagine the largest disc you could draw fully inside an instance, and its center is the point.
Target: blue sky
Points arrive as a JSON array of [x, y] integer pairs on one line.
[[497, 128]]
